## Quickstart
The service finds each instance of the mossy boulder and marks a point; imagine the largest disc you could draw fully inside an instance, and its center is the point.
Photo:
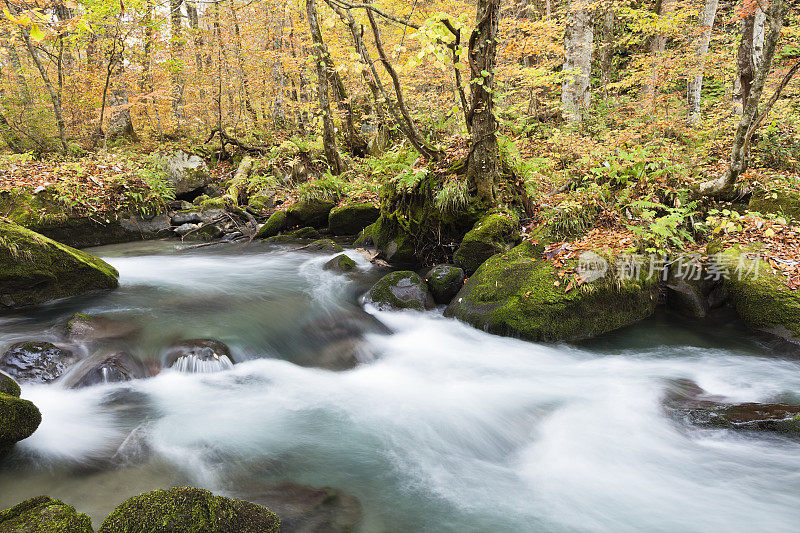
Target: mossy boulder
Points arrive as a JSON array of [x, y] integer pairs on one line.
[[18, 420], [309, 212], [274, 224], [9, 386], [349, 219], [444, 282], [293, 237], [189, 510], [760, 294], [365, 236], [400, 290], [519, 294], [325, 245], [187, 172], [35, 269], [341, 263], [44, 515], [261, 202], [786, 203], [82, 327], [393, 240], [493, 234]]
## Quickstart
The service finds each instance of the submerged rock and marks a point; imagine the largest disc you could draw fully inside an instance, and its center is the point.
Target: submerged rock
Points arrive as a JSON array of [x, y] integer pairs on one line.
[[311, 212], [44, 515], [687, 401], [491, 235], [198, 356], [35, 269], [18, 420], [9, 386], [189, 510], [306, 509], [187, 173], [400, 290], [760, 294], [82, 327], [36, 361], [106, 368], [519, 294], [444, 281], [349, 219], [341, 263]]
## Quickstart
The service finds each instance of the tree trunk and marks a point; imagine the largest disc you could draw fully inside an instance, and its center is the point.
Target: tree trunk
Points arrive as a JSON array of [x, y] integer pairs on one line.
[[483, 164], [706, 24], [607, 53], [16, 67], [177, 74], [121, 123], [575, 94], [658, 44], [328, 131], [55, 96], [245, 81], [724, 186]]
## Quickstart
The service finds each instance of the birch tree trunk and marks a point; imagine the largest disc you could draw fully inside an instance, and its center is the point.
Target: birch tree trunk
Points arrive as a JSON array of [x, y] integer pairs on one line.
[[578, 40], [724, 186], [483, 164], [328, 130], [607, 53], [705, 26]]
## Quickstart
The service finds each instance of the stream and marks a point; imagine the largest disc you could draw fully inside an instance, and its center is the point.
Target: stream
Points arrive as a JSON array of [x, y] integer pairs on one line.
[[440, 428]]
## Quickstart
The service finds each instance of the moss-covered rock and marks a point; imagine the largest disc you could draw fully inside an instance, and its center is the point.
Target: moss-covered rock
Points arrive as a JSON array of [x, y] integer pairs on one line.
[[493, 234], [302, 235], [83, 327], [786, 203], [35, 269], [189, 510], [349, 219], [261, 202], [309, 212], [325, 245], [400, 290], [760, 294], [44, 515], [340, 263], [519, 294], [187, 172], [214, 203], [18, 420], [274, 224], [444, 281], [9, 386], [393, 240], [365, 236]]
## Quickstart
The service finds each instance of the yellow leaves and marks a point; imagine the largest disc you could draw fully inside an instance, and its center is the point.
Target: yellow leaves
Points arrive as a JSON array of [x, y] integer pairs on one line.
[[37, 35]]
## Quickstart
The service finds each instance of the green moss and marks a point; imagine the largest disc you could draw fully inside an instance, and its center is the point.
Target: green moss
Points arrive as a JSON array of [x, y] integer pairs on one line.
[[260, 203], [300, 235], [340, 263], [18, 419], [214, 203], [189, 510], [492, 234], [44, 515], [349, 219], [309, 212], [403, 289], [35, 269], [515, 293], [786, 203], [444, 282], [9, 386], [274, 224], [365, 236], [760, 294], [325, 245], [200, 199], [392, 237]]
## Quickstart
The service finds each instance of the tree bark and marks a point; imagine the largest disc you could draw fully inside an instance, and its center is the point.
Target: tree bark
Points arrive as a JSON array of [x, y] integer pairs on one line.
[[483, 164], [724, 186], [177, 74], [705, 26], [607, 52], [55, 96], [575, 94], [328, 131], [658, 45]]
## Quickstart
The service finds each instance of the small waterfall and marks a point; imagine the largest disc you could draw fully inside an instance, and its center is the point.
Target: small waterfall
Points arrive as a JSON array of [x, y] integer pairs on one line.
[[195, 365], [106, 374]]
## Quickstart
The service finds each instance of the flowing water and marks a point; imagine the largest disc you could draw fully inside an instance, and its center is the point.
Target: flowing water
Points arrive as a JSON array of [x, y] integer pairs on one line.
[[442, 428]]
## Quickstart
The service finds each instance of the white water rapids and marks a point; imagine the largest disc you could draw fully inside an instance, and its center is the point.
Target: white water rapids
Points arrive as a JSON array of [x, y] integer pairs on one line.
[[447, 429]]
